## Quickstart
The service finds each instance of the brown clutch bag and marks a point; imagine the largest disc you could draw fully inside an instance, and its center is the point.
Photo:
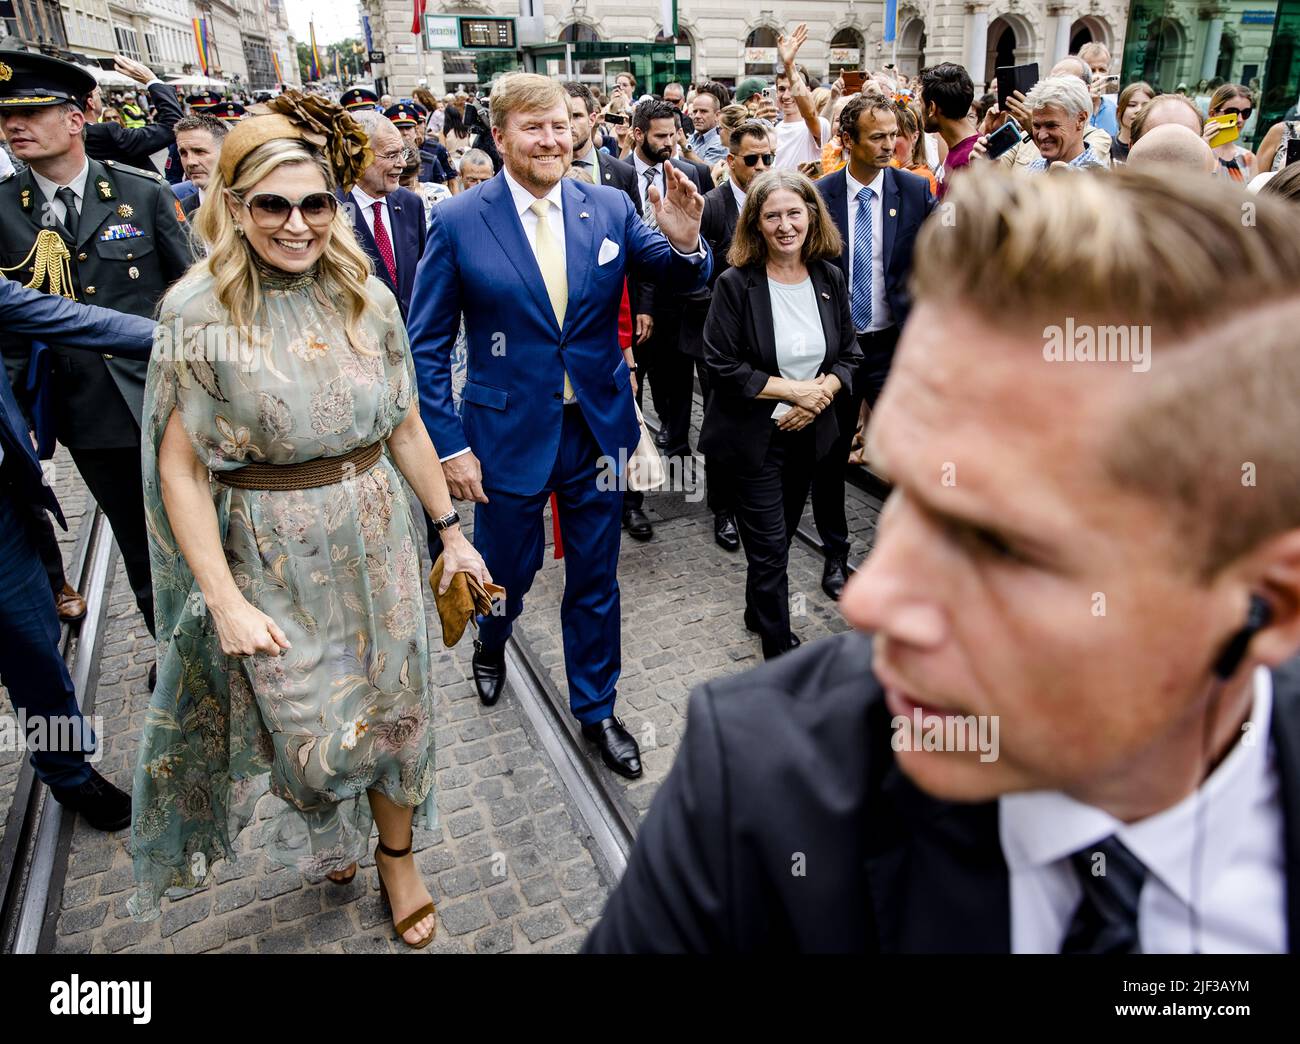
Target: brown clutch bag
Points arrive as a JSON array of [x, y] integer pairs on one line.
[[464, 599]]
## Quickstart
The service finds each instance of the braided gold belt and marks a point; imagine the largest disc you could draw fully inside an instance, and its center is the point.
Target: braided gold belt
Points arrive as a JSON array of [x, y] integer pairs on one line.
[[307, 474]]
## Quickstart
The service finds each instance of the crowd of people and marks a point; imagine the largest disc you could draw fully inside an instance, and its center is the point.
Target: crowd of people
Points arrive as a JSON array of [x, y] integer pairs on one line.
[[467, 297]]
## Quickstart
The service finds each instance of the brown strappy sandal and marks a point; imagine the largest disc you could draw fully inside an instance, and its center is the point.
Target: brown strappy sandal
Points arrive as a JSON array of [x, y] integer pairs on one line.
[[406, 923], [341, 881]]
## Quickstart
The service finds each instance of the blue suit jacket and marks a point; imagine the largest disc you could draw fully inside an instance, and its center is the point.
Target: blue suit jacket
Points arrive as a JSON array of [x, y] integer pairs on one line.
[[907, 202], [32, 313], [404, 219], [479, 263]]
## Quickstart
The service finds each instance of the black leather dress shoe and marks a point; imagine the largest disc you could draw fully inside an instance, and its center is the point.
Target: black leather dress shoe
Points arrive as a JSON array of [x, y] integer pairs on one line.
[[724, 531], [792, 642], [97, 801], [637, 525], [835, 574], [661, 437], [618, 750], [489, 673]]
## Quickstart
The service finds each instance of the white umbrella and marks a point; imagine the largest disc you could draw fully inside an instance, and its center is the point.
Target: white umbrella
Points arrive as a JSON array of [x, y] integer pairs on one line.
[[109, 77]]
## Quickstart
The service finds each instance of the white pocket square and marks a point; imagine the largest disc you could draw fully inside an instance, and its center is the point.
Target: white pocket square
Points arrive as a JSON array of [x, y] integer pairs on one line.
[[608, 251]]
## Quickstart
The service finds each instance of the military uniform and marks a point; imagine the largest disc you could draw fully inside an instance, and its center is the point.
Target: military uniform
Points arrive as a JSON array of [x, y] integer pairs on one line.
[[128, 247]]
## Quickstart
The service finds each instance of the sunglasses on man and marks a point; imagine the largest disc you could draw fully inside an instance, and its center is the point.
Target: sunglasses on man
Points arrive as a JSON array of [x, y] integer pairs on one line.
[[753, 158]]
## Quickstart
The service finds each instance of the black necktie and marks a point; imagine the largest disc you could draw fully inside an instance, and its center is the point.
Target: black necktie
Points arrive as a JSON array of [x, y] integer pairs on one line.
[[68, 198], [1106, 920]]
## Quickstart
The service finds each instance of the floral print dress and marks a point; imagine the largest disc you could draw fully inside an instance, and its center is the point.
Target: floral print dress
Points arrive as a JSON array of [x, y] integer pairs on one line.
[[347, 708]]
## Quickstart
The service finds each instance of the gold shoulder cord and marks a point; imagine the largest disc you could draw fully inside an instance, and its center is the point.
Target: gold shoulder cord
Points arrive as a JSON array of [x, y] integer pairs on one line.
[[52, 265]]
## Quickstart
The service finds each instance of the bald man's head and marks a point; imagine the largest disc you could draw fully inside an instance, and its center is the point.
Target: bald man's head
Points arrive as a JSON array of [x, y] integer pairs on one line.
[[1172, 146], [1164, 109], [1072, 65]]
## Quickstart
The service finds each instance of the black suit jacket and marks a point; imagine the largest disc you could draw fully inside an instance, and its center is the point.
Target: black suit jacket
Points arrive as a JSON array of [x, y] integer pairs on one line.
[[404, 219], [717, 226], [642, 296], [907, 202], [795, 757], [134, 145], [740, 351]]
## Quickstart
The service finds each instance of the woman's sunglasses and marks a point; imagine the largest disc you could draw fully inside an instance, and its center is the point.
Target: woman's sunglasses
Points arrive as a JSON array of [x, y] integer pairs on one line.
[[752, 159], [1242, 114], [271, 210]]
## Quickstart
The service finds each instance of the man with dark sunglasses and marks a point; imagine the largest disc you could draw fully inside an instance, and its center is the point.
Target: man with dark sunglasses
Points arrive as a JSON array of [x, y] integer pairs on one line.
[[878, 210]]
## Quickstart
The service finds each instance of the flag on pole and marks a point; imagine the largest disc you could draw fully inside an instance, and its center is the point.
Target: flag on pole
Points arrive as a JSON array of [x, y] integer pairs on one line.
[[313, 58], [338, 75], [891, 20], [201, 42], [418, 16], [275, 60]]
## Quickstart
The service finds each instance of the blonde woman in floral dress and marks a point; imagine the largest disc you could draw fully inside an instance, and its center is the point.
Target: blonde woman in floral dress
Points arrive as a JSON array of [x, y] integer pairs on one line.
[[292, 643]]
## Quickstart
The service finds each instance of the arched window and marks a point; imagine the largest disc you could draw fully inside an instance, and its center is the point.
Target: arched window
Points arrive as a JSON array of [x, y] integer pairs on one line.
[[761, 45], [846, 50], [581, 32]]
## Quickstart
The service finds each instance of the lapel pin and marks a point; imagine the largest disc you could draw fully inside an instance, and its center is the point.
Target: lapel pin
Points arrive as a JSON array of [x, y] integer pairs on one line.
[[826, 295], [584, 215], [893, 213], [133, 272], [125, 210]]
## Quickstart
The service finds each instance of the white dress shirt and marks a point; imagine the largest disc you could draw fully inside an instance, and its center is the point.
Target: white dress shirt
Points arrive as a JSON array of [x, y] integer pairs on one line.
[[366, 204], [642, 185], [77, 184], [739, 193], [881, 317], [1242, 894]]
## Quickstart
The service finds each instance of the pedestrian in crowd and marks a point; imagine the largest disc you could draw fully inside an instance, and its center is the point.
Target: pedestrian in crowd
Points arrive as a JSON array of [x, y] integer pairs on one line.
[[35, 676], [668, 370], [800, 132], [780, 347], [878, 211], [1059, 106], [603, 168], [1166, 108], [1105, 112], [946, 96], [539, 421], [706, 142], [282, 662], [455, 136], [1131, 99], [132, 141], [1163, 745], [198, 143], [1172, 150], [475, 168], [909, 146], [357, 99], [389, 220], [117, 231], [1234, 160], [620, 120], [683, 152], [750, 155]]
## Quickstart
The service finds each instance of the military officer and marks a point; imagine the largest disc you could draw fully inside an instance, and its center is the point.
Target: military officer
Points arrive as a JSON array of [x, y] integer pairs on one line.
[[98, 233], [356, 98]]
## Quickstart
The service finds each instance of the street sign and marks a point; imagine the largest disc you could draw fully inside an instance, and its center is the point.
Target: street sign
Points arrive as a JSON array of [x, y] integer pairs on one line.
[[484, 34], [441, 32]]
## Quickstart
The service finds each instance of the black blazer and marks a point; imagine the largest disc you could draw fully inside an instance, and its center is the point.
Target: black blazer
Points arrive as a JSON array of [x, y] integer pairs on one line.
[[717, 226], [615, 173], [642, 296], [404, 219], [740, 352], [907, 202], [795, 757], [134, 145]]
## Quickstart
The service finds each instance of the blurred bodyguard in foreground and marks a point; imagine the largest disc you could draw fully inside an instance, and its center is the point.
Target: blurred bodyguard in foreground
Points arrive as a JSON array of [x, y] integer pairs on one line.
[[1095, 562]]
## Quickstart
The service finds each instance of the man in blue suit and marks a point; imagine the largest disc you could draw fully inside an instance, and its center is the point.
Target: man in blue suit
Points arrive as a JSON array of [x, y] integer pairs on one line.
[[31, 667], [388, 219], [537, 266], [878, 210]]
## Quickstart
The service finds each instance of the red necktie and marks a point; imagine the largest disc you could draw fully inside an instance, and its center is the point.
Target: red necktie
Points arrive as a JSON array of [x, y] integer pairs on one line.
[[383, 244]]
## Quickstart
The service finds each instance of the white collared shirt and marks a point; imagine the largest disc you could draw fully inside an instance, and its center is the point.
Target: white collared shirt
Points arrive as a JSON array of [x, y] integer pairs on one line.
[[1242, 894], [881, 317], [738, 192], [591, 161], [642, 185], [366, 204], [524, 200], [77, 184]]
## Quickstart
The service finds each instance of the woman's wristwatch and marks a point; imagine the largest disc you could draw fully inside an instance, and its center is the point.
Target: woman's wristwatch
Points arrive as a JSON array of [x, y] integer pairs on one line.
[[451, 518]]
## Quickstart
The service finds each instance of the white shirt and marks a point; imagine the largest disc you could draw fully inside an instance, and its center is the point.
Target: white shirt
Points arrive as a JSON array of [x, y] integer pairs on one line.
[[795, 145], [6, 164], [739, 193], [797, 328], [881, 317], [1242, 894], [642, 183], [77, 184], [366, 204]]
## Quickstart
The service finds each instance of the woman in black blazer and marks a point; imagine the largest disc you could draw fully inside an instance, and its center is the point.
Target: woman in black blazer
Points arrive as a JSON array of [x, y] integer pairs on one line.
[[780, 346]]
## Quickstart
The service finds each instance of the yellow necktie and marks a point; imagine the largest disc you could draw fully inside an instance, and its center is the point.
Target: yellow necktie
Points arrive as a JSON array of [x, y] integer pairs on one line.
[[550, 259]]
